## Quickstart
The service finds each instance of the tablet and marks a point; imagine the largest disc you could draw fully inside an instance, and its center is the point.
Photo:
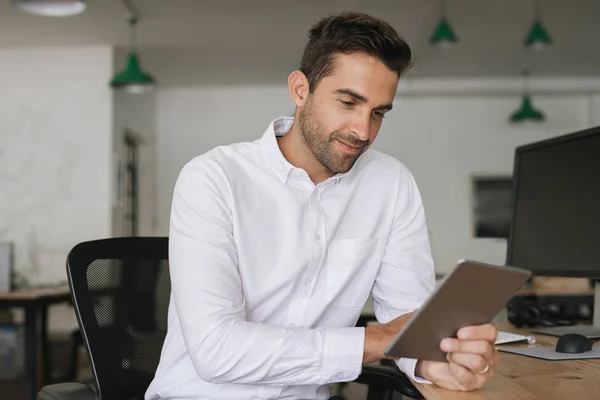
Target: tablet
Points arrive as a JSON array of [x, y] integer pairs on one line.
[[472, 294]]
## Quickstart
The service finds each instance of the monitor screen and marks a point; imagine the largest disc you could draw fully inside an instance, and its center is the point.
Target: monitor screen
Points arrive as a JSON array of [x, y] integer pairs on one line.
[[555, 227]]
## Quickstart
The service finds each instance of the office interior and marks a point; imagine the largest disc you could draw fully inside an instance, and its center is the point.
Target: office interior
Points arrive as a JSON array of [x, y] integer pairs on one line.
[[84, 155]]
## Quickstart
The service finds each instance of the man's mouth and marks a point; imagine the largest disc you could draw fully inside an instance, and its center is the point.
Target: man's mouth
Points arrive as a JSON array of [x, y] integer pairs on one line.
[[348, 148]]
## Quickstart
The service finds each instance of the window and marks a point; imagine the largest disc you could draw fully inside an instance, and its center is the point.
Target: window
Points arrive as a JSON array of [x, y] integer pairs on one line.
[[492, 206]]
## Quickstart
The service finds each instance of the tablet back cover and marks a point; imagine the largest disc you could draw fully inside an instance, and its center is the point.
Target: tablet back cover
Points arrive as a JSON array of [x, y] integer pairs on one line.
[[472, 294]]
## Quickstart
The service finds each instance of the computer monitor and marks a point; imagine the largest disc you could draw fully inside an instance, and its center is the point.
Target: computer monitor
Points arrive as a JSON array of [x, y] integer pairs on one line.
[[555, 227]]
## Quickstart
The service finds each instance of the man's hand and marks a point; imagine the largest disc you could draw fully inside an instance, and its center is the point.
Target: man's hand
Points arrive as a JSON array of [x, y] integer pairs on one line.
[[378, 337], [471, 360]]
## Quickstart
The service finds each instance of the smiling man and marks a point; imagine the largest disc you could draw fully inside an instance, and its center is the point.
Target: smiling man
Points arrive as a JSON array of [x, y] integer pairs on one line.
[[276, 244]]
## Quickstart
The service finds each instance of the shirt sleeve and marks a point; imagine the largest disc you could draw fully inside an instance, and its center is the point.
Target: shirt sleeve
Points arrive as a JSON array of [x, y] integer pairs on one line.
[[206, 287], [406, 277]]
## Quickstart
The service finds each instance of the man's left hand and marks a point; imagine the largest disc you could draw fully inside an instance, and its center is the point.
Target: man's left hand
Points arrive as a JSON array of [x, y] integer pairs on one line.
[[471, 357]]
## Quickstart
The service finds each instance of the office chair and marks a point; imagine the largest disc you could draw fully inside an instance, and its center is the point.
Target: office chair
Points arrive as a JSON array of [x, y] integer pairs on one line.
[[120, 289]]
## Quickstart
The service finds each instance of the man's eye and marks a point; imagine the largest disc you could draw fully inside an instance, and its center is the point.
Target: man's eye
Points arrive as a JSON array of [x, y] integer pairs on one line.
[[379, 114], [347, 103]]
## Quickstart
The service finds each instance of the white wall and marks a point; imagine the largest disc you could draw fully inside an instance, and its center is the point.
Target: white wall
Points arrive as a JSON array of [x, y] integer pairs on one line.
[[55, 149], [135, 114], [55, 144], [594, 111], [445, 141], [191, 121], [445, 132]]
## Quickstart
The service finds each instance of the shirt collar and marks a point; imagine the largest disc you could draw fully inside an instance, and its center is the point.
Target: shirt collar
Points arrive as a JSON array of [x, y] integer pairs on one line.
[[275, 159]]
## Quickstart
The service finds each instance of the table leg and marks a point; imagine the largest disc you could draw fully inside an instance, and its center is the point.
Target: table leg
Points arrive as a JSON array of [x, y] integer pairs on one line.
[[44, 345], [30, 351]]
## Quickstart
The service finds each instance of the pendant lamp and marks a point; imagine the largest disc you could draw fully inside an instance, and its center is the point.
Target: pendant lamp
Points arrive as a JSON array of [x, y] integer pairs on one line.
[[526, 112], [133, 79], [443, 35], [538, 36]]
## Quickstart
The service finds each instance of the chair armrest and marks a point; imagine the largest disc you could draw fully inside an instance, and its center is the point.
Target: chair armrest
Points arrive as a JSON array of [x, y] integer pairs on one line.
[[66, 391], [387, 377]]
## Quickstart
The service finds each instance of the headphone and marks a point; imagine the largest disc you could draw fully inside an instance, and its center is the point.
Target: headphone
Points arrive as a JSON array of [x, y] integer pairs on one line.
[[524, 312]]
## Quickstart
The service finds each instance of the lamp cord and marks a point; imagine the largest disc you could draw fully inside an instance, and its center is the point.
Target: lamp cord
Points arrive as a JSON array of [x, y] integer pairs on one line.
[[536, 9], [132, 37], [443, 8], [525, 73]]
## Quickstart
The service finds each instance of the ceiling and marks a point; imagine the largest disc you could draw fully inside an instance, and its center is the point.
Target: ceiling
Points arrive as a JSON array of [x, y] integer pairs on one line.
[[261, 41]]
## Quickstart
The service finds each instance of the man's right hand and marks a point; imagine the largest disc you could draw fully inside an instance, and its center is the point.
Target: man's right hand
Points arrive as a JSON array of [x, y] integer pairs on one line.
[[377, 338]]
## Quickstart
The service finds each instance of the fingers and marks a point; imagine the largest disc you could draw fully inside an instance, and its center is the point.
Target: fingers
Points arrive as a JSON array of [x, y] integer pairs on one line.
[[474, 363], [465, 380], [472, 356], [485, 332], [470, 371], [482, 348]]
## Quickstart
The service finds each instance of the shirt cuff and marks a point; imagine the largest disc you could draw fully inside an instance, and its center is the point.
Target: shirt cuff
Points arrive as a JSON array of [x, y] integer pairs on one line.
[[408, 366], [343, 352]]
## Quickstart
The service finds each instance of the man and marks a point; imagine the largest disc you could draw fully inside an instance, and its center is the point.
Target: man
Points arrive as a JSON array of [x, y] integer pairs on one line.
[[275, 245]]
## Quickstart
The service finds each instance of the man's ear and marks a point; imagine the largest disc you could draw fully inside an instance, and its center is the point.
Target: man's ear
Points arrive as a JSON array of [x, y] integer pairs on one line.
[[298, 87]]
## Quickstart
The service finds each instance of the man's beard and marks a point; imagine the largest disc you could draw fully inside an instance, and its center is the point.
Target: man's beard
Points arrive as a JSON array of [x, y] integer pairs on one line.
[[323, 146]]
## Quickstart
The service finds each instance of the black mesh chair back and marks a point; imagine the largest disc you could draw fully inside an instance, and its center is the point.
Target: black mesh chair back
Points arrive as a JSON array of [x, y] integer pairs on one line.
[[121, 290]]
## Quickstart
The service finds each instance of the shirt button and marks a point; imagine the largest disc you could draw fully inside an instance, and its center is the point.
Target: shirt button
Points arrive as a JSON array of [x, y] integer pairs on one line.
[[318, 237], [307, 282], [339, 376], [293, 326]]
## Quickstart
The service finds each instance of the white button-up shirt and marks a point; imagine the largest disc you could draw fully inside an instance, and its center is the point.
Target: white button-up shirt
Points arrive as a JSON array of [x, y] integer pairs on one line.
[[270, 272]]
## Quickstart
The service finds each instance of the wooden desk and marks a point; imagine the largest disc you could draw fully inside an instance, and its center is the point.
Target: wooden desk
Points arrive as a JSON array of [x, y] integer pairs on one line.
[[46, 294], [35, 303], [556, 292], [524, 378]]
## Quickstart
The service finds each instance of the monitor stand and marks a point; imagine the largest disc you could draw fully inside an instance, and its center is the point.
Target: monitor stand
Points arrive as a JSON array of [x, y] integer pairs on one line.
[[591, 331]]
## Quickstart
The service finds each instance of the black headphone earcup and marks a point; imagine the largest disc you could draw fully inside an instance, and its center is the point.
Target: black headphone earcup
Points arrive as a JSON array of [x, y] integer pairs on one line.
[[522, 313], [532, 314]]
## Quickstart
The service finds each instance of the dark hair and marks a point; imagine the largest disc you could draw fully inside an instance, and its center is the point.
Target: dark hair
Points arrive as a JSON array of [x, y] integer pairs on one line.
[[352, 32]]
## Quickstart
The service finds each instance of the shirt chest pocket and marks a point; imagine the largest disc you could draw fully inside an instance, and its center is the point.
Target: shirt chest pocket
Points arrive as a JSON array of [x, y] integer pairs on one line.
[[351, 266]]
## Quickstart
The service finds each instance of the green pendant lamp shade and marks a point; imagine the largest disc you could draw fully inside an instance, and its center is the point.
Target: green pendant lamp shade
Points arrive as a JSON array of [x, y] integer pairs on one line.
[[526, 112], [443, 35], [133, 79], [538, 37]]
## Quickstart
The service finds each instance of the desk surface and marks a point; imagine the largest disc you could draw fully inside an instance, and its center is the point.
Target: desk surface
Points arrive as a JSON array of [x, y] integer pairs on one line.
[[36, 294], [524, 378]]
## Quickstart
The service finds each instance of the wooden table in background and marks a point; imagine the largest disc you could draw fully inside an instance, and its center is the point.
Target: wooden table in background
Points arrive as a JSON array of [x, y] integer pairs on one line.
[[35, 303], [525, 378]]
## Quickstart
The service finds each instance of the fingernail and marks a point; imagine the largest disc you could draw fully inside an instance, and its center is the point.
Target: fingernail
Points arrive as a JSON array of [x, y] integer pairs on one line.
[[463, 333], [445, 344]]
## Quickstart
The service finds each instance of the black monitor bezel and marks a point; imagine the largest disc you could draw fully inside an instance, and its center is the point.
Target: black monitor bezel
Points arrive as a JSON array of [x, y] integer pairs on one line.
[[568, 273]]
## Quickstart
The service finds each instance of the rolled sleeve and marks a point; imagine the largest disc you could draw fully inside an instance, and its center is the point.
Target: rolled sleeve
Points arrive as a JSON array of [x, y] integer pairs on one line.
[[343, 354], [408, 366]]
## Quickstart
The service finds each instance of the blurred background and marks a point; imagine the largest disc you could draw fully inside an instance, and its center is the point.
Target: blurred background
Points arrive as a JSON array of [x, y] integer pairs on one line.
[[101, 106]]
